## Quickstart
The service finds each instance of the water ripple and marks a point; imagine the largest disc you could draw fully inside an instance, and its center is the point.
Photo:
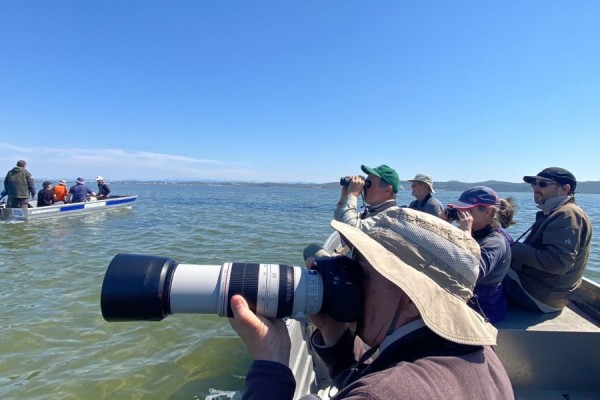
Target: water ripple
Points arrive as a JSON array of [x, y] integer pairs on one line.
[[55, 343]]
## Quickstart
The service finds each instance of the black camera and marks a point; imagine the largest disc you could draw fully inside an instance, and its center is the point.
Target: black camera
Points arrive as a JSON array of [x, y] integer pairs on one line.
[[147, 288], [451, 213]]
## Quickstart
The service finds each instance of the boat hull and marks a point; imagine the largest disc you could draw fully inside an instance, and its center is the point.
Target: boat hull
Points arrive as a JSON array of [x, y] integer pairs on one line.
[[61, 210]]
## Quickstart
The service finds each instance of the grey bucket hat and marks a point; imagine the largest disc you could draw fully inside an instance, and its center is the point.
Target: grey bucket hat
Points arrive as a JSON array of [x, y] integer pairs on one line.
[[433, 262], [425, 179]]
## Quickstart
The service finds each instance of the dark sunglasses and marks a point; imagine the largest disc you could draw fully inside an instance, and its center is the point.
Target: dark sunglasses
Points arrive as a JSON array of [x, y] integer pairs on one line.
[[543, 184]]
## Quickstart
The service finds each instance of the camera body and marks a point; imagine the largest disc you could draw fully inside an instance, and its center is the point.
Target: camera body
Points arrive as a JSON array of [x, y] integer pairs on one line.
[[451, 213], [148, 288]]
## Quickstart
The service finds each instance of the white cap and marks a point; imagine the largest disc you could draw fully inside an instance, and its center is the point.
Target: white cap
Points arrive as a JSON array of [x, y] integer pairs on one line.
[[99, 178]]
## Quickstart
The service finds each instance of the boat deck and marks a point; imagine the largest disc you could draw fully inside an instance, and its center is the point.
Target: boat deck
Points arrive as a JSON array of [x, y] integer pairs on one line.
[[552, 356]]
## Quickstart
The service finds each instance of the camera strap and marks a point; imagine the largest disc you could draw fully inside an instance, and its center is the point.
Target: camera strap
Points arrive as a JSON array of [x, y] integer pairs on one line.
[[358, 369], [416, 345]]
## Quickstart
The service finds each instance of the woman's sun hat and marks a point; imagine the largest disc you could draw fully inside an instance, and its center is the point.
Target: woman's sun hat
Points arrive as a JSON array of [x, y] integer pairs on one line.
[[433, 262]]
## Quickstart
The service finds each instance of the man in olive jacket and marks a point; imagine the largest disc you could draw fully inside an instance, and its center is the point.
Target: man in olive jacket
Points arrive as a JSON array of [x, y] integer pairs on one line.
[[18, 184], [549, 265]]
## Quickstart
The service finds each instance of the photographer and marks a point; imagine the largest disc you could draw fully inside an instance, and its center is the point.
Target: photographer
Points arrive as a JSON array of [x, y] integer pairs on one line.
[[481, 214], [419, 273], [378, 190]]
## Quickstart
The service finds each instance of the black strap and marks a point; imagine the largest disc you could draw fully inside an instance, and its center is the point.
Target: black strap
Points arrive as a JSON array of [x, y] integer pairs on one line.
[[417, 344]]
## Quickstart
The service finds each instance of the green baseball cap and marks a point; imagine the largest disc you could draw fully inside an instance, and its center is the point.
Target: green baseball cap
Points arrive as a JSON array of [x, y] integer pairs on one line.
[[386, 173]]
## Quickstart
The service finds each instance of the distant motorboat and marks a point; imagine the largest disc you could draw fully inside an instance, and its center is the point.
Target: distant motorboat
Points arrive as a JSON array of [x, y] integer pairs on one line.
[[92, 205]]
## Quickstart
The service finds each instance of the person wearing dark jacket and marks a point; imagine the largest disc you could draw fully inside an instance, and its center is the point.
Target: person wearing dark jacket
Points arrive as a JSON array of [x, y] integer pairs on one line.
[[19, 184], [45, 196], [425, 341], [548, 266], [103, 188]]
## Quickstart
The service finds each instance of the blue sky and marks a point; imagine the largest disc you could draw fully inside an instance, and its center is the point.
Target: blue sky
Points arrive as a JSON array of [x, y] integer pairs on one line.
[[306, 91]]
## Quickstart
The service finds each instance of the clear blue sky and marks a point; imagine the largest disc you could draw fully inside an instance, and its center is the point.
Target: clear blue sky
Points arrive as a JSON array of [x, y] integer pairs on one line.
[[299, 90]]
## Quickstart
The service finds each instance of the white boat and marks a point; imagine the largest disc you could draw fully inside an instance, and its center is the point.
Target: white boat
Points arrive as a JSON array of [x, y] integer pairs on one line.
[[60, 210], [554, 356]]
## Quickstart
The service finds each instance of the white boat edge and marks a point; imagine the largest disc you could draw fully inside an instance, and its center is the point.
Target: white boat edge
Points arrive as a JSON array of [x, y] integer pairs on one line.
[[60, 210]]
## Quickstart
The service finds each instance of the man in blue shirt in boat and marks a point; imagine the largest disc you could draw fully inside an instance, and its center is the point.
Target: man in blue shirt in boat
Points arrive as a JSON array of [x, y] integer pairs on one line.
[[80, 192]]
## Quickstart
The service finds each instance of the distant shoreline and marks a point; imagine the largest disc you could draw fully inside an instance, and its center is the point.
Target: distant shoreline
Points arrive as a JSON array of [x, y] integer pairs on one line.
[[590, 187]]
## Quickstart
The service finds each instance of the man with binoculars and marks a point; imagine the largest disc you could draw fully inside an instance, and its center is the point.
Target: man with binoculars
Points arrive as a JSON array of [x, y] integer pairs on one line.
[[378, 189]]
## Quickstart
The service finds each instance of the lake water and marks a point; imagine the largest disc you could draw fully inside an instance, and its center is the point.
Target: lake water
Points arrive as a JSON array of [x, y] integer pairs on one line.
[[55, 343]]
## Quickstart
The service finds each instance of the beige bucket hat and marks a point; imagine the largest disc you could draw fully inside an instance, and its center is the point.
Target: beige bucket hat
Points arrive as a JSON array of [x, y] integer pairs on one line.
[[433, 262]]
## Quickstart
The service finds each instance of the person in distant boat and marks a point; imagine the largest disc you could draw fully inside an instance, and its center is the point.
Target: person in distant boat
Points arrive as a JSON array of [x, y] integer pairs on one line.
[[79, 192], [425, 341], [45, 197], [422, 189], [19, 184], [103, 188], [61, 192], [548, 266], [482, 215], [379, 191]]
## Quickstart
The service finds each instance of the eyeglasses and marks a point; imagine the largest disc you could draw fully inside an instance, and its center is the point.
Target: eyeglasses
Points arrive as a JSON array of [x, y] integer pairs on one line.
[[543, 184]]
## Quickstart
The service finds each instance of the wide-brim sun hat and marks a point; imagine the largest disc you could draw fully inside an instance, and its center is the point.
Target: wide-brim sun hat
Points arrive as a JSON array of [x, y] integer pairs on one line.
[[80, 180], [433, 262]]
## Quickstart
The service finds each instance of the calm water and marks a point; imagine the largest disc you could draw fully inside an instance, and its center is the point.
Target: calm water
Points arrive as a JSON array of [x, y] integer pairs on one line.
[[55, 344]]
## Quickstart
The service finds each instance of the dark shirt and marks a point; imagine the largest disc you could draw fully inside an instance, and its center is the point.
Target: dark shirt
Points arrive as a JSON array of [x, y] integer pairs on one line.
[[420, 365], [429, 204], [45, 198], [103, 189], [493, 265]]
